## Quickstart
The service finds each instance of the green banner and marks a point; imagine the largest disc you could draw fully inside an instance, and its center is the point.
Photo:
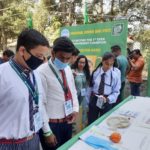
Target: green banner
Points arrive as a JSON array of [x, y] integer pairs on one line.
[[29, 21], [94, 39]]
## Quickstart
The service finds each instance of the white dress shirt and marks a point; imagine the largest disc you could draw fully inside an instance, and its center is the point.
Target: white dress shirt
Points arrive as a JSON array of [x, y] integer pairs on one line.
[[112, 83], [14, 105], [55, 98]]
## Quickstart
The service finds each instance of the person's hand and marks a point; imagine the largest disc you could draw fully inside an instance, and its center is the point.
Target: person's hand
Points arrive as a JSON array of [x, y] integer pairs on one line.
[[101, 97], [72, 117], [104, 99], [131, 61], [75, 73], [51, 140]]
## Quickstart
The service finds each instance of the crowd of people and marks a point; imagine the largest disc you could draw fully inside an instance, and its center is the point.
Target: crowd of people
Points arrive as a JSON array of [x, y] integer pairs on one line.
[[40, 99]]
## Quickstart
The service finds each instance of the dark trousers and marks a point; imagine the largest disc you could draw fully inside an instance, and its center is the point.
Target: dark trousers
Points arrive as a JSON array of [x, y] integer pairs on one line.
[[62, 131], [135, 88], [121, 95], [32, 144], [94, 111]]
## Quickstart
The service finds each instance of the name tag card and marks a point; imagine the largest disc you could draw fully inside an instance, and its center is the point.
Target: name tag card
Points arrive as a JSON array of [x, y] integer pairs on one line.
[[68, 107], [100, 102], [83, 92], [38, 121]]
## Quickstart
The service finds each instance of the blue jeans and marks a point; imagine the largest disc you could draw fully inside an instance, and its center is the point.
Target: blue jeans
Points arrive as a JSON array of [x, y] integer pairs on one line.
[[135, 88]]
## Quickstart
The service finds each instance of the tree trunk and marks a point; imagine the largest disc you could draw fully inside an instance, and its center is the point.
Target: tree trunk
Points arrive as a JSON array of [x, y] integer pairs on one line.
[[102, 19], [112, 10], [1, 46], [3, 40], [63, 9]]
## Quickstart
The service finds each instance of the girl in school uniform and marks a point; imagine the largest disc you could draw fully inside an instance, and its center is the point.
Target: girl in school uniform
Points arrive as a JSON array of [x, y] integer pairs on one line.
[[104, 87]]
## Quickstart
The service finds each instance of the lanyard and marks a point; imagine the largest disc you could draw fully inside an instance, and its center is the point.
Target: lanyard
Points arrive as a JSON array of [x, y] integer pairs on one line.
[[111, 79], [83, 79], [32, 87], [84, 82], [58, 78]]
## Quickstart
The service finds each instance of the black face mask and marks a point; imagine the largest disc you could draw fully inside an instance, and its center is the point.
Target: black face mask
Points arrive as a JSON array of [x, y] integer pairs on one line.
[[33, 62]]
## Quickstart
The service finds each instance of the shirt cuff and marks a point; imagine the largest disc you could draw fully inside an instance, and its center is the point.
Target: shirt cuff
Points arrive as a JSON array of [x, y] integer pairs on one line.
[[76, 109], [111, 100], [46, 128], [47, 134]]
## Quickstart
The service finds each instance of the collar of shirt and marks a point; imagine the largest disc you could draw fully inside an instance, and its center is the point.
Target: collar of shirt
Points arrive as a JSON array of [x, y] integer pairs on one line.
[[107, 73], [80, 73], [56, 69], [24, 71], [51, 62]]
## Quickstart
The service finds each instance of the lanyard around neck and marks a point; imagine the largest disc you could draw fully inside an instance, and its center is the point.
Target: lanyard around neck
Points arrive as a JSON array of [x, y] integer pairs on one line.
[[32, 87], [83, 78], [111, 78], [58, 78]]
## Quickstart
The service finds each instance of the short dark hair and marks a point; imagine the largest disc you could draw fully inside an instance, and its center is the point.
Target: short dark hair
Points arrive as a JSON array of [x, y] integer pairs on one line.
[[63, 44], [115, 48], [137, 51], [76, 52], [8, 53], [108, 55], [31, 38]]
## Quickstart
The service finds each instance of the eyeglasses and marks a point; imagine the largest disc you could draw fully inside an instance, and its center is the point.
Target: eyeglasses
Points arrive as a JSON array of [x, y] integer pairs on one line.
[[39, 56], [81, 62], [107, 64]]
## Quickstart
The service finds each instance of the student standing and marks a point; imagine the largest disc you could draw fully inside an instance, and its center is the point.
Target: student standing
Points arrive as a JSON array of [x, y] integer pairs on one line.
[[61, 97], [21, 95], [104, 87], [82, 76], [123, 66], [135, 74]]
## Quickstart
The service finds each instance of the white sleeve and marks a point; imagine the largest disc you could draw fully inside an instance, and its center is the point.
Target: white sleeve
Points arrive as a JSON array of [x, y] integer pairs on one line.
[[46, 127], [115, 88], [74, 94]]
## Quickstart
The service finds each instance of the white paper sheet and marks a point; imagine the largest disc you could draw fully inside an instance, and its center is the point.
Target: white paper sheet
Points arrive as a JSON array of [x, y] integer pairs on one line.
[[133, 140], [80, 145], [98, 132]]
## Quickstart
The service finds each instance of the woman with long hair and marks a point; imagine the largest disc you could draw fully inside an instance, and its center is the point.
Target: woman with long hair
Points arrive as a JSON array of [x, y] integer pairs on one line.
[[104, 87], [81, 74]]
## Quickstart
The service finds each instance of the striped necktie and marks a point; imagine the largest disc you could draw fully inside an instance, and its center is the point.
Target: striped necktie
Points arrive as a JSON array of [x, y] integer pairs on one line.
[[102, 84], [31, 110]]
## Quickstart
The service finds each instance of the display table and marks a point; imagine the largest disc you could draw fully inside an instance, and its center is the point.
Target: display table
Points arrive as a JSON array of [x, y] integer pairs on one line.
[[134, 136]]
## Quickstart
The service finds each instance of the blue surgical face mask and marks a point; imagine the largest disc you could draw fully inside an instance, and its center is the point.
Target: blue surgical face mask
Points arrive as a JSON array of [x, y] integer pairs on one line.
[[59, 64]]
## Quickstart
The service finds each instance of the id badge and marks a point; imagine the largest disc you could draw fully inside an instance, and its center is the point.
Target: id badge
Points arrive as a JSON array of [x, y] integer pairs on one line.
[[100, 102], [38, 121], [68, 107], [83, 92]]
